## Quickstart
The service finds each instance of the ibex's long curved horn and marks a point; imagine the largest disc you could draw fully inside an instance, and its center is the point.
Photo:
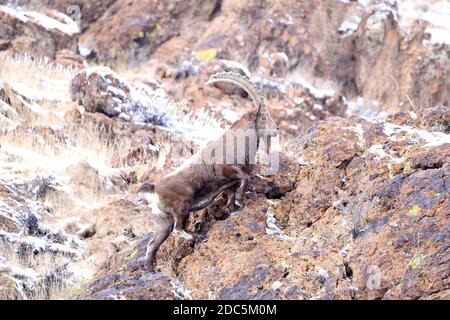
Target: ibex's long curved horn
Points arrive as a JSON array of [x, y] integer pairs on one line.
[[241, 82]]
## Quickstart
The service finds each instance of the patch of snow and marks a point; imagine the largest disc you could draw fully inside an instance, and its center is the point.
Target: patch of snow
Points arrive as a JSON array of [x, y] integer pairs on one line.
[[116, 91], [14, 13], [318, 107], [355, 107], [26, 91], [120, 239], [229, 114], [436, 13], [289, 20], [381, 11], [358, 129], [270, 84], [364, 3], [276, 285], [319, 94], [377, 149], [431, 139], [68, 27], [180, 291], [283, 56], [348, 27], [188, 67], [151, 106], [230, 64], [2, 262], [367, 110], [273, 229], [84, 50], [321, 272], [78, 274], [297, 101], [103, 72]]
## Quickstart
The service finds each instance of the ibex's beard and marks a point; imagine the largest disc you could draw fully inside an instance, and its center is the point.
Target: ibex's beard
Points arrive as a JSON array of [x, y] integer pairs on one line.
[[265, 140], [267, 144]]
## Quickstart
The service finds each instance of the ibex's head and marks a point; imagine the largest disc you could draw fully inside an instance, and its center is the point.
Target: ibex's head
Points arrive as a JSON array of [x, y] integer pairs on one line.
[[263, 122]]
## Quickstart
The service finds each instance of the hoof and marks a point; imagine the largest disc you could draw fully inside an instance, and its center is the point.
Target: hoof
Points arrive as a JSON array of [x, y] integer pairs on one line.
[[183, 234], [201, 238], [251, 195], [239, 202], [229, 211]]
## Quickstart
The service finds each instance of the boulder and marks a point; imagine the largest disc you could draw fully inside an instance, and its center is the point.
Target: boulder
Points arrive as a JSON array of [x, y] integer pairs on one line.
[[128, 280], [99, 89], [41, 34]]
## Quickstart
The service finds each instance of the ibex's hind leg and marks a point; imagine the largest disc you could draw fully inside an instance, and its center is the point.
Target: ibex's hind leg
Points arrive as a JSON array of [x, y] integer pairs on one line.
[[180, 229], [180, 226], [164, 226], [234, 172], [207, 199]]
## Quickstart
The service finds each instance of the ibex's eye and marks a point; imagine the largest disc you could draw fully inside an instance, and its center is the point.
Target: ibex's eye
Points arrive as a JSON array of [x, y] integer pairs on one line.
[[263, 118]]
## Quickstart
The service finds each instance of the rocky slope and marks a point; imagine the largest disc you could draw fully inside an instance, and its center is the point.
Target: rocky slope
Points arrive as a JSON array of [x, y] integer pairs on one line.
[[358, 210]]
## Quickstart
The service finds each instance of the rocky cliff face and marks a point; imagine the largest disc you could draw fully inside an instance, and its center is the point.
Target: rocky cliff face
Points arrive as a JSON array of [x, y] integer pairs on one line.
[[358, 210], [362, 215]]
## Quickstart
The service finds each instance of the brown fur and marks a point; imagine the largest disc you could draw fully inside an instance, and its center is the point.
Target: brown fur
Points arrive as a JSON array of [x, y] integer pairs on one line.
[[198, 181]]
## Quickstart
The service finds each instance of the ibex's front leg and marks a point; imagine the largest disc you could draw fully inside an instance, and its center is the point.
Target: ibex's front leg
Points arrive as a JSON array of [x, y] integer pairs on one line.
[[180, 226], [231, 197]]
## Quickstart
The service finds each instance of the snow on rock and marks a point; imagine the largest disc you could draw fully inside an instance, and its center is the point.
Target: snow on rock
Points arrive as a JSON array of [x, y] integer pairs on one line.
[[431, 139], [84, 50], [377, 149], [60, 22], [365, 109], [99, 89], [235, 66], [26, 242], [349, 26], [319, 94], [273, 229], [436, 13]]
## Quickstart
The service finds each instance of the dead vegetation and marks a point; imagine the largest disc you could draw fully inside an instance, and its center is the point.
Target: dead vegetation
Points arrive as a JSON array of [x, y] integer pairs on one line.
[[70, 172]]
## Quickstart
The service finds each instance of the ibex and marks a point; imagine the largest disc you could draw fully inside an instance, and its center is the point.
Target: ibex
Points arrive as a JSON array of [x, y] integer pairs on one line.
[[223, 165]]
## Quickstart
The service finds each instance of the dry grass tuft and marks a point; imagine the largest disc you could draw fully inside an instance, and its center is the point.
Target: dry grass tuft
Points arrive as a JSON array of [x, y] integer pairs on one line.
[[37, 75]]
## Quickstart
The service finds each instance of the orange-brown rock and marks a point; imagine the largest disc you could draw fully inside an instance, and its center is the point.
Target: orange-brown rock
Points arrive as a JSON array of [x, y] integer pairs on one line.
[[35, 33], [358, 210]]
